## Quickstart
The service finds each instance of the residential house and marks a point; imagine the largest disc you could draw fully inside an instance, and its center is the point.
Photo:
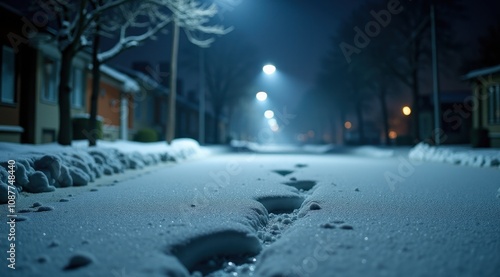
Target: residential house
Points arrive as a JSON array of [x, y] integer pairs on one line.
[[151, 104], [29, 110], [486, 104], [15, 76], [115, 103]]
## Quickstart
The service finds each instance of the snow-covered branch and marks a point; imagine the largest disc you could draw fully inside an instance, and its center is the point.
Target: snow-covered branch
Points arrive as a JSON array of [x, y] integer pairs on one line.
[[194, 18], [134, 23]]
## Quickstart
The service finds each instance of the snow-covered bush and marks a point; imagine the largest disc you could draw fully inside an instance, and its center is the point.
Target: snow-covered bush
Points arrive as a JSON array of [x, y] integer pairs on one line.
[[43, 168], [456, 155]]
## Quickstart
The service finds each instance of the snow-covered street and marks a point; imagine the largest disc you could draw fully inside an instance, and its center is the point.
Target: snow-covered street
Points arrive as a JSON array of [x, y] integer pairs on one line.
[[245, 214]]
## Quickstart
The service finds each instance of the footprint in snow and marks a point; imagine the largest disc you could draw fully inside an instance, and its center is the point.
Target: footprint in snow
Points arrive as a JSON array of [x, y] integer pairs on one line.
[[336, 224], [79, 260], [283, 172], [301, 185]]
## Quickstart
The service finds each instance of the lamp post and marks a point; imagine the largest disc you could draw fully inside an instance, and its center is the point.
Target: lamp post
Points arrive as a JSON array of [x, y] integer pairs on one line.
[[435, 78]]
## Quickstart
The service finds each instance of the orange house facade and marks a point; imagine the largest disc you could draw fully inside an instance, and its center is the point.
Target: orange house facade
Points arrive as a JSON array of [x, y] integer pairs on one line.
[[115, 103]]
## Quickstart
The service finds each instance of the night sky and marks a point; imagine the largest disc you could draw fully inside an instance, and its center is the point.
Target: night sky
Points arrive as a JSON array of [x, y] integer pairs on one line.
[[295, 35]]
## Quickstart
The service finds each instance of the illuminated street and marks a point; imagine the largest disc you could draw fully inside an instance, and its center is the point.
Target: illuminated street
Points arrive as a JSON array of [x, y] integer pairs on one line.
[[344, 219]]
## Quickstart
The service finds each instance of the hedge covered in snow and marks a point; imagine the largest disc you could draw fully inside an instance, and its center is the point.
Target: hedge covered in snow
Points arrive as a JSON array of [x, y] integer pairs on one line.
[[456, 155]]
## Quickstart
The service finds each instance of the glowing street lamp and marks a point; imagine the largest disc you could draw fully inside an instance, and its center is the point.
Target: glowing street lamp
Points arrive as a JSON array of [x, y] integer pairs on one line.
[[269, 114], [348, 125], [406, 110], [273, 124], [393, 135], [269, 69], [261, 96]]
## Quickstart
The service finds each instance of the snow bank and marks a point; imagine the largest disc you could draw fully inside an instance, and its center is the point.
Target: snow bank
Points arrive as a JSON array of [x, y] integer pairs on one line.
[[43, 168], [456, 155]]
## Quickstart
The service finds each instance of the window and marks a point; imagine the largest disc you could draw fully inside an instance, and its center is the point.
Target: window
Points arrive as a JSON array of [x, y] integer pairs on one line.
[[7, 80], [48, 135], [78, 88], [50, 79], [494, 104]]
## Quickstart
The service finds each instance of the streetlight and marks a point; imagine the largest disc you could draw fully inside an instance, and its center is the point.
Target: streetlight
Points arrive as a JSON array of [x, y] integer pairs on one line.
[[269, 69], [269, 114], [406, 110], [261, 96]]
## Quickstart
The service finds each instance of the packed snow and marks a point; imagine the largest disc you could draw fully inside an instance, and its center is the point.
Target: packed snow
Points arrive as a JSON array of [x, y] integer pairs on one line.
[[253, 214]]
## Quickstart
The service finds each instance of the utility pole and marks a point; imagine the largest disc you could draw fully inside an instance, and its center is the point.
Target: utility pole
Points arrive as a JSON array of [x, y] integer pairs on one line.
[[201, 111], [170, 134], [435, 79]]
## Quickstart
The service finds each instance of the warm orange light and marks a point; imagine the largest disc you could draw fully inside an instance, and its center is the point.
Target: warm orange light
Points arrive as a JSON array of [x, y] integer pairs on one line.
[[406, 110], [348, 125], [393, 135]]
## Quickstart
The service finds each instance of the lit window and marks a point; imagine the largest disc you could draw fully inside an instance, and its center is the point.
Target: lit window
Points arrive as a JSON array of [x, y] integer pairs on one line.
[[77, 89], [7, 79], [50, 80], [494, 104]]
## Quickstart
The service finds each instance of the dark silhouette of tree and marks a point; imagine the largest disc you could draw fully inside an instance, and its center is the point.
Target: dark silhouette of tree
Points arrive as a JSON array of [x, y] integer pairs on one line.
[[129, 25], [73, 21], [382, 45], [230, 68], [489, 49]]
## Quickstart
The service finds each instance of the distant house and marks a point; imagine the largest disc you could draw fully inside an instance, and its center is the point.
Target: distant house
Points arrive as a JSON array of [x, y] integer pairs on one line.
[[151, 104], [115, 103], [486, 110], [455, 123]]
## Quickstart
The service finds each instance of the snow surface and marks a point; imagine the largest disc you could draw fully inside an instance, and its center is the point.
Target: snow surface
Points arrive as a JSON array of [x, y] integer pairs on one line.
[[248, 214], [10, 128], [43, 168], [371, 151], [456, 155]]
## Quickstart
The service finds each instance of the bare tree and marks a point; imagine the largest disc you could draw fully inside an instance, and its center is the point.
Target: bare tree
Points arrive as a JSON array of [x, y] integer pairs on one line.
[[128, 25], [230, 68], [74, 22], [390, 46], [193, 17], [78, 25], [404, 48]]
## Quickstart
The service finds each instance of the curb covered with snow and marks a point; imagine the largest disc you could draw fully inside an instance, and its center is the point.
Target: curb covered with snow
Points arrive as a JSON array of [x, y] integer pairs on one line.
[[456, 155], [43, 168]]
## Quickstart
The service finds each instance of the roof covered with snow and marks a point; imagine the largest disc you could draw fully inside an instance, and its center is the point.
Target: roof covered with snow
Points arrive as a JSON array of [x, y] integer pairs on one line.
[[482, 72], [129, 84]]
